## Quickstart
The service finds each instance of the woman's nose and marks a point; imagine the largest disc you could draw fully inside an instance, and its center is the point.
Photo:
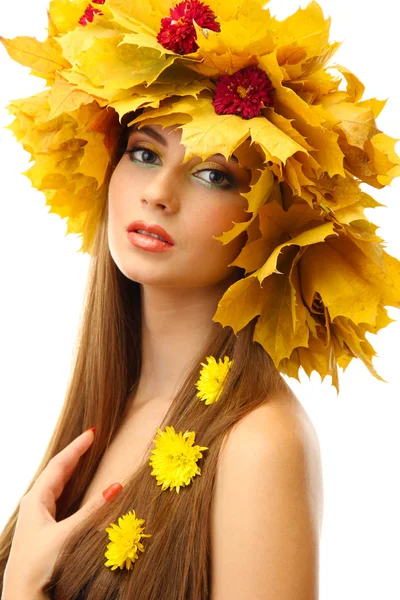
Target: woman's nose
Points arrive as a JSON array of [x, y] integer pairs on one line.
[[162, 191]]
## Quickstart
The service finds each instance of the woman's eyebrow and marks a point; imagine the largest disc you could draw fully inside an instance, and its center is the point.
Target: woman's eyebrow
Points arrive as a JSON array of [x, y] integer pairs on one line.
[[150, 132]]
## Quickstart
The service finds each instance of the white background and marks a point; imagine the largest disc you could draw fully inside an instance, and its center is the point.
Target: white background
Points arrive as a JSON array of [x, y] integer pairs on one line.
[[42, 281]]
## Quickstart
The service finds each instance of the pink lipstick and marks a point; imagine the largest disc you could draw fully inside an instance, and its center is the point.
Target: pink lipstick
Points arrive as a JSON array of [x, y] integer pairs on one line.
[[142, 236]]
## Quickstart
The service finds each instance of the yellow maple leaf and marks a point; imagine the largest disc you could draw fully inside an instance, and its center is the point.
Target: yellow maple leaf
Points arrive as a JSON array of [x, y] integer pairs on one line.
[[81, 39], [95, 159], [83, 84], [130, 14], [143, 39], [44, 58], [210, 133], [306, 238], [374, 104], [275, 301], [356, 123], [258, 195], [383, 159], [156, 94], [65, 14], [240, 304], [236, 46], [308, 27], [285, 125], [316, 86], [274, 330], [355, 340], [110, 62], [314, 358], [355, 88], [327, 151], [298, 308], [341, 287], [65, 98]]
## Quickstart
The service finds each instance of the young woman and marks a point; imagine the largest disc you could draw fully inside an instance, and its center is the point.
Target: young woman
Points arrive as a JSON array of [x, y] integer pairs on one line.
[[157, 138], [251, 522]]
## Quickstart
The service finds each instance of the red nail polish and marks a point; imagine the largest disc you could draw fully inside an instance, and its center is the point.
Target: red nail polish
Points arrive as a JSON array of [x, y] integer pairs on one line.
[[91, 429], [111, 491]]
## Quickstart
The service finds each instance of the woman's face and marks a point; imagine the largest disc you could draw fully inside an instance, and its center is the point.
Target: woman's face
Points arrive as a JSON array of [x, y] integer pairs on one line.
[[192, 202]]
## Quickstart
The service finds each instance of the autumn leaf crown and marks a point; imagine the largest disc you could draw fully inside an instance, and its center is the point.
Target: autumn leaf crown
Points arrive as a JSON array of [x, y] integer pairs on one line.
[[235, 79]]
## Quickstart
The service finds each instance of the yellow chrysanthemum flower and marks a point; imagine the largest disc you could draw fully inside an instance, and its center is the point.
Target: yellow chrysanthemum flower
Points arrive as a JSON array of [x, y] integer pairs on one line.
[[125, 541], [212, 377], [174, 459]]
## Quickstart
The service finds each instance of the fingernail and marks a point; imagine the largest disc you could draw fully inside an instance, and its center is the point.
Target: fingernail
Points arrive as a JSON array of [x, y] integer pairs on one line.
[[111, 491], [91, 429]]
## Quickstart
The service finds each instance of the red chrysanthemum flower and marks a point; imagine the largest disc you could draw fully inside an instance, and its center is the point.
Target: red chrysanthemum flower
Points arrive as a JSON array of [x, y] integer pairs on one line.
[[89, 13], [243, 93], [177, 32], [99, 1]]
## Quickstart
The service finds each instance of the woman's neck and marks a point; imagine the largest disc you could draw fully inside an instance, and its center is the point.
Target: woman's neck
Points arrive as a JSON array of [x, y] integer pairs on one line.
[[176, 324]]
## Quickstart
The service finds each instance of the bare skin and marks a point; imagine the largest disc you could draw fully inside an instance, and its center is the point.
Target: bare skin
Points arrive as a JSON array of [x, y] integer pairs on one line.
[[127, 451]]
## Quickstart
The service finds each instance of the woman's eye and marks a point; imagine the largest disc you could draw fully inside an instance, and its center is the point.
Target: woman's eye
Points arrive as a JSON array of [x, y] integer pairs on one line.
[[147, 154], [217, 178]]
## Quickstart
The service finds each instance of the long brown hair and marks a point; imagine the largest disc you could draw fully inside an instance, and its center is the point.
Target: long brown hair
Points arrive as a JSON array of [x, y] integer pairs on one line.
[[176, 562]]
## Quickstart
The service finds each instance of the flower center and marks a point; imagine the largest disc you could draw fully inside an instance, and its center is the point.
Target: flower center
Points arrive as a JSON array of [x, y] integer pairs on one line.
[[242, 91], [182, 459]]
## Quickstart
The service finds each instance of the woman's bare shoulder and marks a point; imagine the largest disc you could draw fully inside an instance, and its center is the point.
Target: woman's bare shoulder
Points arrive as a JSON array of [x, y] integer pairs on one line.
[[268, 496], [281, 416], [280, 427]]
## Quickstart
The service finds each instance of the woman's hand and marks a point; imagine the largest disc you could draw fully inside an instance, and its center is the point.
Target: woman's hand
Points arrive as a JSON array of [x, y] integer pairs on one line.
[[38, 538]]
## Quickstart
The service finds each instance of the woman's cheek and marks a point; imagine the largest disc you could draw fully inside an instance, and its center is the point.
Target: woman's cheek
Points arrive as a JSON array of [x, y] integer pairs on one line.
[[221, 220], [120, 205]]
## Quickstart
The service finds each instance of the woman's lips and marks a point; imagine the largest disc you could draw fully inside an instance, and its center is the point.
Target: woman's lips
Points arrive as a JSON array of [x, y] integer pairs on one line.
[[146, 242], [157, 229]]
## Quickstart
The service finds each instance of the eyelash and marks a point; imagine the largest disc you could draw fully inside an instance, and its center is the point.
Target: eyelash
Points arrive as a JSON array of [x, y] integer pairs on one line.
[[229, 178]]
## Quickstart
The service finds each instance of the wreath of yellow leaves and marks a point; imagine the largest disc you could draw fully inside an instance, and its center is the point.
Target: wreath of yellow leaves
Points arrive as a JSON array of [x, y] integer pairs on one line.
[[317, 275]]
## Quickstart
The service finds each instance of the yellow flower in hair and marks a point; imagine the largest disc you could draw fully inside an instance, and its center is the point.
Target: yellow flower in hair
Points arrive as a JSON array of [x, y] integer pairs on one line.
[[212, 377], [125, 541], [174, 459]]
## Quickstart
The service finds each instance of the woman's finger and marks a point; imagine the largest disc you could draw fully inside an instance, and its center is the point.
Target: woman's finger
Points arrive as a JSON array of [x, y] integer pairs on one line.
[[51, 482], [92, 506]]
